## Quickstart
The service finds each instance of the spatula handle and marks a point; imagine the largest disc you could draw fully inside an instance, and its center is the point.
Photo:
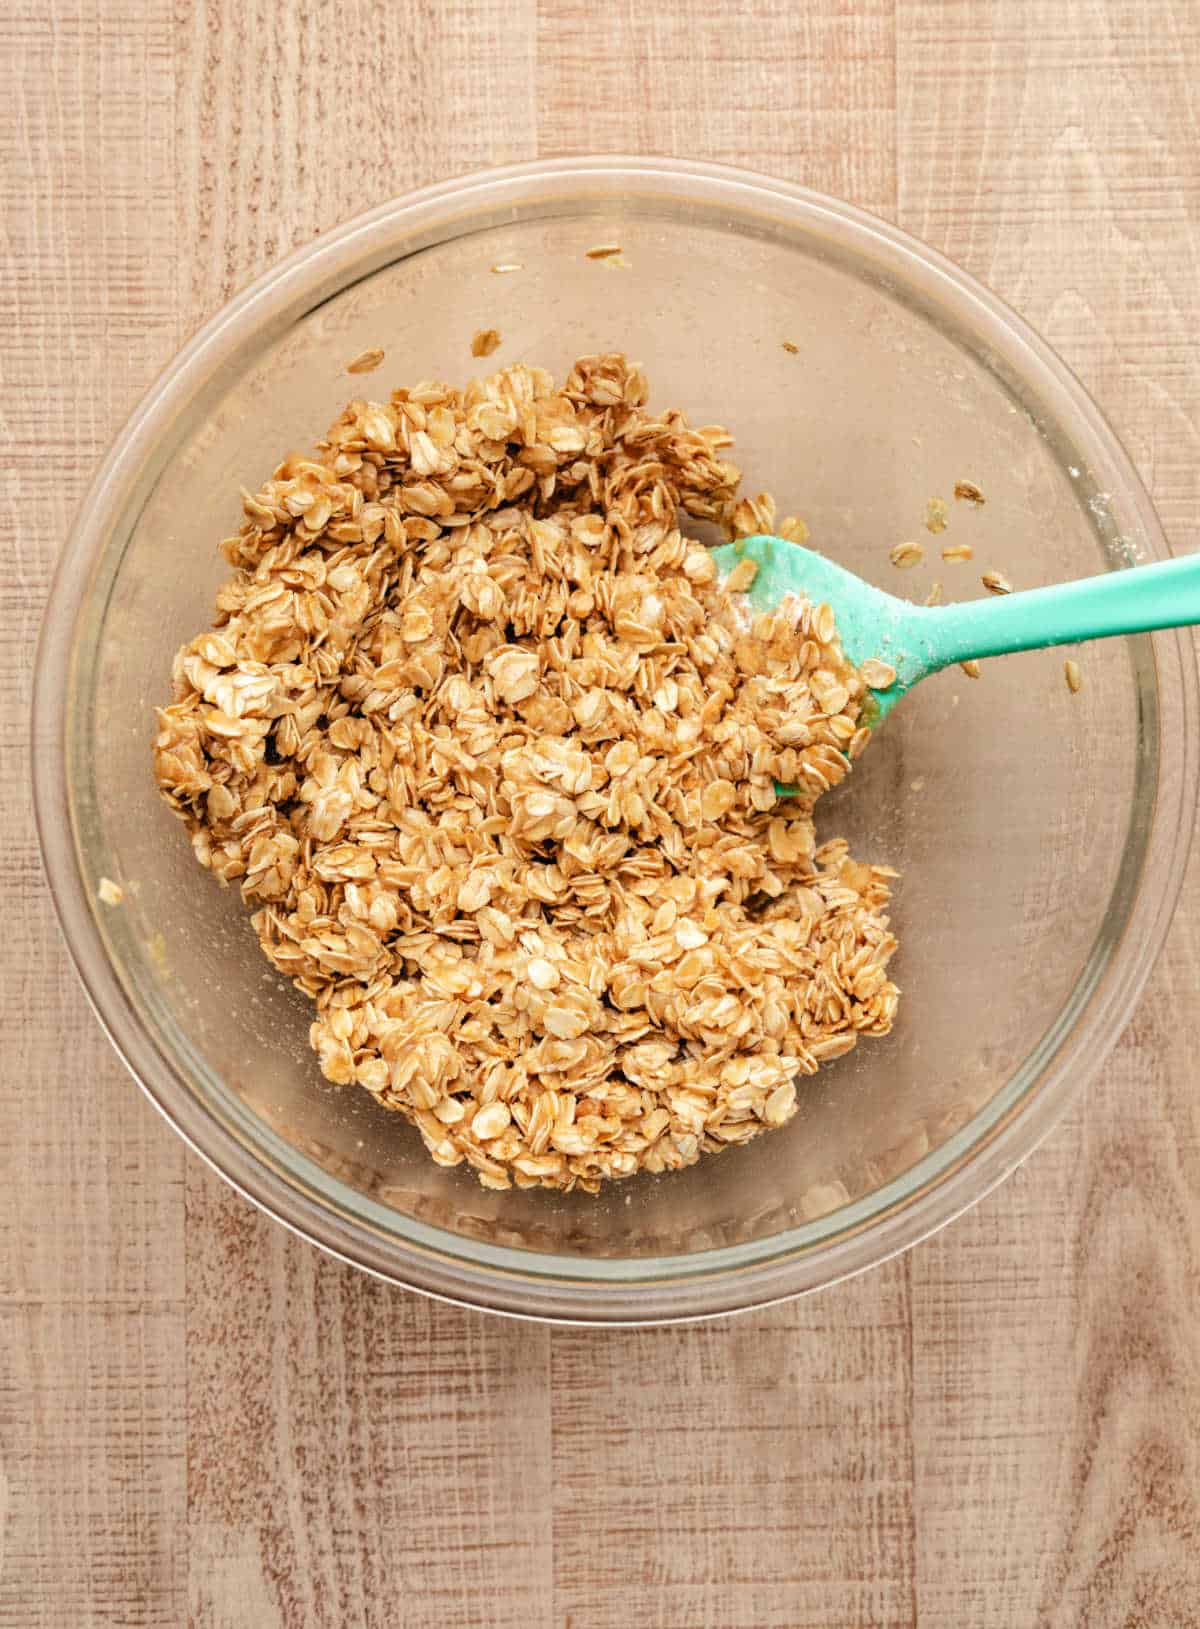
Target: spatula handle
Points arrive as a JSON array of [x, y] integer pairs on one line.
[[1163, 595]]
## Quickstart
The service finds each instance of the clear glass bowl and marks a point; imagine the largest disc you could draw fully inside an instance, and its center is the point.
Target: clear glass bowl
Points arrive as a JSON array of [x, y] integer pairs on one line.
[[1041, 835]]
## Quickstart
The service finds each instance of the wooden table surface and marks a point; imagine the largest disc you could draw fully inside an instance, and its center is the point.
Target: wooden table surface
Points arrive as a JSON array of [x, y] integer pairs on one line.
[[204, 1421]]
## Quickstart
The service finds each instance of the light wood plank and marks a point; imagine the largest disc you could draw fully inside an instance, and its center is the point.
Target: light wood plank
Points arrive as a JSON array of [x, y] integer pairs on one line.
[[1057, 1329], [754, 1473], [92, 1417], [357, 1455], [804, 92], [741, 1474], [293, 118]]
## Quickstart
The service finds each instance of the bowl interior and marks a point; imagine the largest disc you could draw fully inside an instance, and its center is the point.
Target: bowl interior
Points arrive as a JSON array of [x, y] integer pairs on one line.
[[1016, 811]]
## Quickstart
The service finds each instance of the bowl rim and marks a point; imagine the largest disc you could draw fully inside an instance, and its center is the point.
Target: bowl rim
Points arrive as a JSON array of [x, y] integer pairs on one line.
[[541, 1285]]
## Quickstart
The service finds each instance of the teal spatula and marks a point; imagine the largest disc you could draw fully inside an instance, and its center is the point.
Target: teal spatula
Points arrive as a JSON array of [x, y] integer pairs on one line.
[[918, 640]]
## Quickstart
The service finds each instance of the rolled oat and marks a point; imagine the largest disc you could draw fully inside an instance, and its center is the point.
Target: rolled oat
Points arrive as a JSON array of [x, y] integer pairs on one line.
[[494, 755]]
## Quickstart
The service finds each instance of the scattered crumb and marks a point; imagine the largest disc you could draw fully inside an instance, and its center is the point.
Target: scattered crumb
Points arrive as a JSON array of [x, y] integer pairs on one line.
[[970, 668], [934, 596], [906, 554], [996, 582], [968, 491], [503, 267], [157, 946], [1072, 675], [110, 892], [484, 341], [958, 551], [937, 514], [603, 251], [918, 785], [741, 577], [792, 350], [793, 530], [366, 361]]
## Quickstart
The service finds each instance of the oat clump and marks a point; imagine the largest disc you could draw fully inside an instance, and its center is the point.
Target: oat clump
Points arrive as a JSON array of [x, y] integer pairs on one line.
[[494, 756]]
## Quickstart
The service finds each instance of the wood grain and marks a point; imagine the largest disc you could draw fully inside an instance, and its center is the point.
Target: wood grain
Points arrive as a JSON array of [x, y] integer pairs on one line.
[[1058, 1371], [743, 1474], [92, 1417], [355, 1456], [805, 91], [204, 1421]]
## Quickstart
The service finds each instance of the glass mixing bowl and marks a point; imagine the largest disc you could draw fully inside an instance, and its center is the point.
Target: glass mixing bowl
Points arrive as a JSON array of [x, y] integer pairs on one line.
[[1041, 835]]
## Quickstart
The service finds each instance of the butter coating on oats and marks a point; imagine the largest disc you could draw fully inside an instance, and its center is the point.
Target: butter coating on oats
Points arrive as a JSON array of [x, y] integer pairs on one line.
[[493, 755]]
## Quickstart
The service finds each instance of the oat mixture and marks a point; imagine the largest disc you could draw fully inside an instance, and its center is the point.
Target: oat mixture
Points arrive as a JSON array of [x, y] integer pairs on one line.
[[494, 756]]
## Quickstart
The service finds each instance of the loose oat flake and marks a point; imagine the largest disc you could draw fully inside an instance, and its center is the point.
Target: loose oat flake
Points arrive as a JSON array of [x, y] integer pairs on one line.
[[484, 341], [793, 530], [1072, 675], [937, 515], [879, 675], [492, 754], [366, 361], [905, 555]]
